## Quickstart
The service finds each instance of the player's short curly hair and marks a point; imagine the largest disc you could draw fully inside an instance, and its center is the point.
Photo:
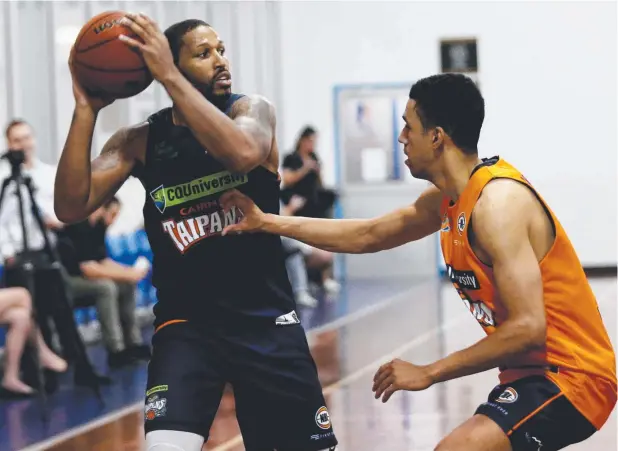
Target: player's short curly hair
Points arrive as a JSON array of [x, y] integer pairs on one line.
[[176, 32], [453, 102]]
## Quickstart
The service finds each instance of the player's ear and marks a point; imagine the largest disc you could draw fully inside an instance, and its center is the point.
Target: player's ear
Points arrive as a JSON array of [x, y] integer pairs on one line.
[[437, 137]]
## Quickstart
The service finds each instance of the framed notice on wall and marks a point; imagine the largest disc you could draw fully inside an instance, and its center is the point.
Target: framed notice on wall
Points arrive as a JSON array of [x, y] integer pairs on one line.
[[460, 55], [367, 125]]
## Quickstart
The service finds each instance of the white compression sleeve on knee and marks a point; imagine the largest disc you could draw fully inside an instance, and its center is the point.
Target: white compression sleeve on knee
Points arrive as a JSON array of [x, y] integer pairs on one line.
[[173, 441]]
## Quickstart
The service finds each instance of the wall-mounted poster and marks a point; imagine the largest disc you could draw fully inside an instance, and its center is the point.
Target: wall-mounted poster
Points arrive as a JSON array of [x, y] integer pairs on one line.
[[367, 125], [460, 55]]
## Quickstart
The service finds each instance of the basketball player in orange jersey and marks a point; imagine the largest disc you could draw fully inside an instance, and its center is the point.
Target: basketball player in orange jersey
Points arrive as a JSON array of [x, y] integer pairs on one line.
[[512, 264]]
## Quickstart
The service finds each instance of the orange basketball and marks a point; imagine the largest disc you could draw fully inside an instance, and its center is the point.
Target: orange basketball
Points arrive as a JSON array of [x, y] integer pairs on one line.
[[106, 65]]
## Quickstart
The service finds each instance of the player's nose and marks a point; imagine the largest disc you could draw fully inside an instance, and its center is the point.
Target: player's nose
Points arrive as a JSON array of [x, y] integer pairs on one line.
[[220, 61]]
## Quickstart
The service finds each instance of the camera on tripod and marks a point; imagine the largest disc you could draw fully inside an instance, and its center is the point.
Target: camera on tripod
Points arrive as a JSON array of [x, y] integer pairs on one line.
[[15, 157]]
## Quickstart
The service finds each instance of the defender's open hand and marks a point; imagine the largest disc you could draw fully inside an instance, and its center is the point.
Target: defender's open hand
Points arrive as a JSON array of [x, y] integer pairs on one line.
[[400, 375], [253, 217]]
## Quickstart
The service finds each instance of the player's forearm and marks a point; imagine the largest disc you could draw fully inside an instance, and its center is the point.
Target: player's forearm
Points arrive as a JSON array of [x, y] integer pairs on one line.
[[335, 235], [509, 341], [72, 184], [102, 270], [214, 130]]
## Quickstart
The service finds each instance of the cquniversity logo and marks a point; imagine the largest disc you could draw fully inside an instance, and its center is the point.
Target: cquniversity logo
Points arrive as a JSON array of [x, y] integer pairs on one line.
[[159, 199]]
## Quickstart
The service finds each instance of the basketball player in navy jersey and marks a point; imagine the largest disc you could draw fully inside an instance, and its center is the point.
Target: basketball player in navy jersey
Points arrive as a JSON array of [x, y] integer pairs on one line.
[[225, 311]]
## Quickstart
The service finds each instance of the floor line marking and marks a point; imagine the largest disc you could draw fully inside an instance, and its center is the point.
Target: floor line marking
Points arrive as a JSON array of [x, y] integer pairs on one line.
[[361, 313], [70, 433]]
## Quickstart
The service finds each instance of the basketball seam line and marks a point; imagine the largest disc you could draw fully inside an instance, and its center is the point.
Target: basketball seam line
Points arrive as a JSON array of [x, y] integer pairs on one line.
[[118, 71], [100, 43], [81, 36]]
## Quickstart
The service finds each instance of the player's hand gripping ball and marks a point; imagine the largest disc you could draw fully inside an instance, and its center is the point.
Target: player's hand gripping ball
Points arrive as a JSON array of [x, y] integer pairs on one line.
[[103, 65], [151, 43]]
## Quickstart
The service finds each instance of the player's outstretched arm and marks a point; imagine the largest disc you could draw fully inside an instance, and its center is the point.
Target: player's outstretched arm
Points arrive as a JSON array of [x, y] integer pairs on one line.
[[352, 236], [501, 221], [241, 143]]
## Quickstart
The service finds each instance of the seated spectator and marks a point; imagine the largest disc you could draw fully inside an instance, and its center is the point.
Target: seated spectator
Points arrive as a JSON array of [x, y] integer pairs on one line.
[[16, 312], [302, 257], [301, 177], [111, 286], [295, 261]]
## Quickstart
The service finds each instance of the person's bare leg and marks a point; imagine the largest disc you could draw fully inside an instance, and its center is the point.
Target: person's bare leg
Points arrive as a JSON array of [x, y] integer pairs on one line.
[[16, 311], [14, 297], [323, 261], [479, 433], [19, 321], [49, 359]]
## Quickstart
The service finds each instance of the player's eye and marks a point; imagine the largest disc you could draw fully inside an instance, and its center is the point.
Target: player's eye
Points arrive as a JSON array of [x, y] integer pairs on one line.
[[222, 51], [204, 54]]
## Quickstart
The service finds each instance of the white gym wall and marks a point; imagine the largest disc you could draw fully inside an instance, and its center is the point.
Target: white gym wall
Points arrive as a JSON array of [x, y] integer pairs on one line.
[[551, 101]]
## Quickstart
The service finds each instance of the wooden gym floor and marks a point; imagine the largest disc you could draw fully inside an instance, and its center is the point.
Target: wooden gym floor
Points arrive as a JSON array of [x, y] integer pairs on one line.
[[373, 321]]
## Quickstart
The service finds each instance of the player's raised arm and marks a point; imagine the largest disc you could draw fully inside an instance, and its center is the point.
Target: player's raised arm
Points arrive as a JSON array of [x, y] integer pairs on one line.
[[240, 143], [81, 187], [352, 236]]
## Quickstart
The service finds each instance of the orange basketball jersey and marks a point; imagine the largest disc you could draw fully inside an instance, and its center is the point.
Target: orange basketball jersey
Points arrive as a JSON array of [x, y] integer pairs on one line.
[[578, 356]]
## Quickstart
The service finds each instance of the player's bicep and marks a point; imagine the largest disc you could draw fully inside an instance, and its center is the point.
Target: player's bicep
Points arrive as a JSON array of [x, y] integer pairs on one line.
[[501, 222], [111, 168], [255, 116], [407, 224]]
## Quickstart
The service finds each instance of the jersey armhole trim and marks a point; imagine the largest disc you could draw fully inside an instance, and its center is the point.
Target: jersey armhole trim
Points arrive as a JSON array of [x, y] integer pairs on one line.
[[169, 323], [470, 230]]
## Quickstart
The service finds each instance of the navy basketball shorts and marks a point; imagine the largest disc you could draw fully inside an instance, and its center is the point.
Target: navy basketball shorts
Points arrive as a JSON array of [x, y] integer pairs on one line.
[[279, 400], [536, 415]]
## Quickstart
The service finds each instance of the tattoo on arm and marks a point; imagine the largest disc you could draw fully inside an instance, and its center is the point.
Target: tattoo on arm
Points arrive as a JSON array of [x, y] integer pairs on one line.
[[256, 116], [117, 150]]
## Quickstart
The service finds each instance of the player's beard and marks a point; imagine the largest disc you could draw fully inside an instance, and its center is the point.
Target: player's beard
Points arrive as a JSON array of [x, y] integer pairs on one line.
[[208, 91]]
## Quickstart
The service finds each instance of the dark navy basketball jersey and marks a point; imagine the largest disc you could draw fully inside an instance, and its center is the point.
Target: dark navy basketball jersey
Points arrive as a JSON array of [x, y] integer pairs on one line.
[[197, 272]]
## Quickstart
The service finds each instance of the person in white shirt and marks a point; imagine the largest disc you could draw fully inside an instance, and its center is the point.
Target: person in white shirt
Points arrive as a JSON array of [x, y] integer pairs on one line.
[[20, 136]]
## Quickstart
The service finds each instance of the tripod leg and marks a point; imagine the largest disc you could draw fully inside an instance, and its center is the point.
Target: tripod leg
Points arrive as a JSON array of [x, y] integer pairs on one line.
[[68, 333], [29, 276], [62, 312], [5, 184], [40, 372]]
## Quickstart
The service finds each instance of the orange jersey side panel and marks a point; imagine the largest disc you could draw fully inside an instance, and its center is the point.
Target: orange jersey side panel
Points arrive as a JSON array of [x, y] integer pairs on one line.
[[577, 342]]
